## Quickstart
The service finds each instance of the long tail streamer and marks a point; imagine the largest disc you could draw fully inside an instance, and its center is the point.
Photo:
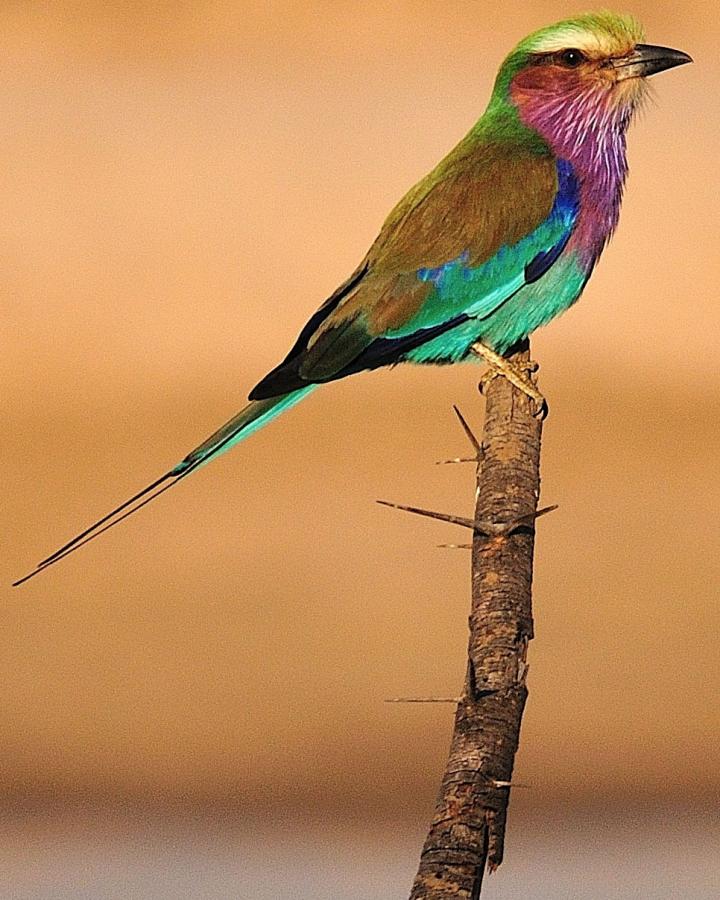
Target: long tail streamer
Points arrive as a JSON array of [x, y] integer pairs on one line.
[[246, 422]]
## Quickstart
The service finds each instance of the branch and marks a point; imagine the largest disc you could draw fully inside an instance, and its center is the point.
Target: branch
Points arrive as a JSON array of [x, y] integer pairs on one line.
[[468, 830]]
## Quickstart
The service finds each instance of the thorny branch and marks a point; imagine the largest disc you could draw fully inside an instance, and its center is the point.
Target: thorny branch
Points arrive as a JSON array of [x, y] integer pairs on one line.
[[468, 829]]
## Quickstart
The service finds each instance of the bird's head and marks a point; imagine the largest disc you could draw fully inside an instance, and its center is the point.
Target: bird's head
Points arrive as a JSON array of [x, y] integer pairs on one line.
[[581, 75]]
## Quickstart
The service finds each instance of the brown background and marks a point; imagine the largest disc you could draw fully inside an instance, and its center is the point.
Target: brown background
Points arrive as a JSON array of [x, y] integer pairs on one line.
[[181, 187]]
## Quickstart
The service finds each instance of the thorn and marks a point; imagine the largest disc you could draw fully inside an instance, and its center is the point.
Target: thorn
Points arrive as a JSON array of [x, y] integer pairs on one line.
[[423, 700], [505, 529], [455, 546], [457, 459], [488, 529], [475, 443], [510, 527], [443, 517], [509, 784]]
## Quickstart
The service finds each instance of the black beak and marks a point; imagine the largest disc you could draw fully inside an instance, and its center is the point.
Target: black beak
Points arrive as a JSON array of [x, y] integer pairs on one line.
[[648, 60]]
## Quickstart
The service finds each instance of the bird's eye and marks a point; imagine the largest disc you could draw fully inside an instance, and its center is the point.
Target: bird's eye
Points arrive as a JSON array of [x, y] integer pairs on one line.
[[572, 58]]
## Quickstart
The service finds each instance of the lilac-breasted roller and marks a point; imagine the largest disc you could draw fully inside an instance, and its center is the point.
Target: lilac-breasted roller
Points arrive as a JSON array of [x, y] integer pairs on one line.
[[498, 239]]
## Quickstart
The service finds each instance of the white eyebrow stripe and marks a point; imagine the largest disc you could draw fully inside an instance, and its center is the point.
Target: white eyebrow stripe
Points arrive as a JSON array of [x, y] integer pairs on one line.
[[577, 38]]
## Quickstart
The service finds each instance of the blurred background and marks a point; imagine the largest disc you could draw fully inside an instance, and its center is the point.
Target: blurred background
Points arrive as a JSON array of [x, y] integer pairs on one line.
[[193, 706]]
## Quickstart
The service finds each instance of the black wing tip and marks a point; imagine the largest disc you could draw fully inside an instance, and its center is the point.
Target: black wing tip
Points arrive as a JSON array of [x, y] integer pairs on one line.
[[281, 380]]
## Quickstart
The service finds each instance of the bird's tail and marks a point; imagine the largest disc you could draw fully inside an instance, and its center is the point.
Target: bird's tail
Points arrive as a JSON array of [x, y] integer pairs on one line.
[[249, 420]]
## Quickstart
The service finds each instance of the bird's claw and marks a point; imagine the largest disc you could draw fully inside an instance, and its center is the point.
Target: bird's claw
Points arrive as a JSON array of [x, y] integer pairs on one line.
[[541, 410], [487, 377], [524, 366], [518, 374], [538, 404]]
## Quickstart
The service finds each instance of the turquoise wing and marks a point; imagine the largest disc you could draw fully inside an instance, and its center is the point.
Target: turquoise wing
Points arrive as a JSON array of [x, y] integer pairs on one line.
[[428, 313]]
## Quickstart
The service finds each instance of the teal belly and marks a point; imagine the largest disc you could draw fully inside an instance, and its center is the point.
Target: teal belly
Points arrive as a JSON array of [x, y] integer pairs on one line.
[[511, 321]]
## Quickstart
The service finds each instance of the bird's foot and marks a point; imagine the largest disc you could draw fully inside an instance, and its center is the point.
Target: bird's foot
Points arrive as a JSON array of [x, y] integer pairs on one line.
[[518, 374]]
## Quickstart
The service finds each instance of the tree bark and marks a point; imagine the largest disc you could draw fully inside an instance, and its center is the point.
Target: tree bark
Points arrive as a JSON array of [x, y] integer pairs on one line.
[[468, 829]]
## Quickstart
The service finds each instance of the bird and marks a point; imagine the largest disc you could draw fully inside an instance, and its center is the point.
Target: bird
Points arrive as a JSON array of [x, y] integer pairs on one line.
[[497, 240]]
